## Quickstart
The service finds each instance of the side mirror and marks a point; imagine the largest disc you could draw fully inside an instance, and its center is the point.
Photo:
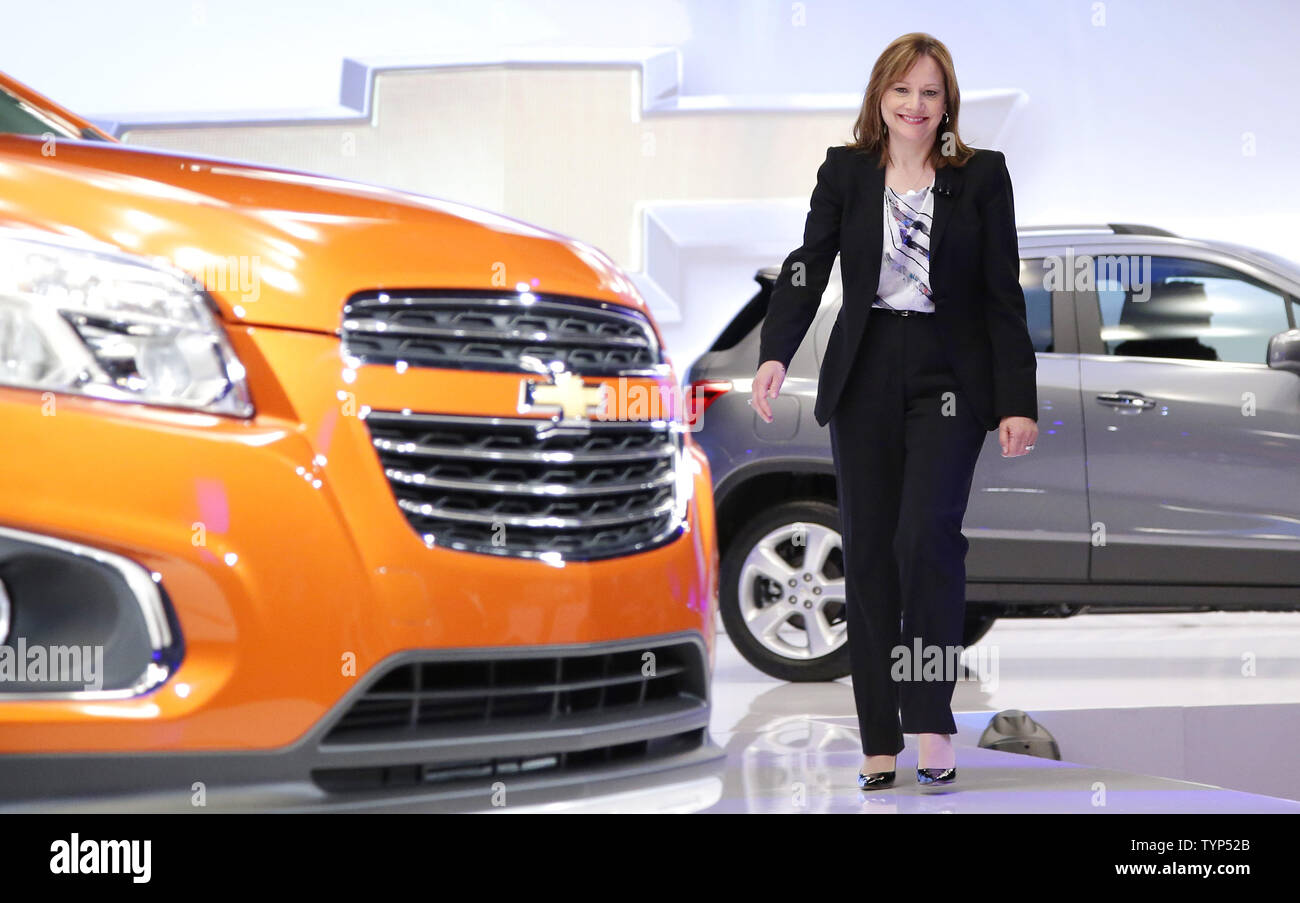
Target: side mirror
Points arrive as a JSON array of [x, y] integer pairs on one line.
[[1284, 351]]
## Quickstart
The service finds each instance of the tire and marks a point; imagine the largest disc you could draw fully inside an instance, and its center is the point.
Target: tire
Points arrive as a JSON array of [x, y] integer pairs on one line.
[[734, 603], [777, 530]]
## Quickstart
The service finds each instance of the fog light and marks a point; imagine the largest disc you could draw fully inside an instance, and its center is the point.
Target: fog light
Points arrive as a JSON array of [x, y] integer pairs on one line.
[[64, 605]]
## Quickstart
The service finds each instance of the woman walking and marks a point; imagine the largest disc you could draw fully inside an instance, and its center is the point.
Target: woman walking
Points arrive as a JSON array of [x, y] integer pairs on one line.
[[930, 353]]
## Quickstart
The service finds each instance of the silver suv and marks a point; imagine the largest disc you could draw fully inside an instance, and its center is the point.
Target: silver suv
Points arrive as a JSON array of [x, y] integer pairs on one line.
[[1166, 475]]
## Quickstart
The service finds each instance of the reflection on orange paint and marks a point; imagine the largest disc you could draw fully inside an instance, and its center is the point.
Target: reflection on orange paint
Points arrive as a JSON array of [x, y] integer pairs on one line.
[[306, 561]]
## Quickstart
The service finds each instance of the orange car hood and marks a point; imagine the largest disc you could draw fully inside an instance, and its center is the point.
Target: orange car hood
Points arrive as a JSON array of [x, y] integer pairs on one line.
[[282, 248]]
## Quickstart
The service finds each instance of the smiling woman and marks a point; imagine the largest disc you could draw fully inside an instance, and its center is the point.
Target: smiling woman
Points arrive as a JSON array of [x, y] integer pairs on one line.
[[930, 351], [912, 95]]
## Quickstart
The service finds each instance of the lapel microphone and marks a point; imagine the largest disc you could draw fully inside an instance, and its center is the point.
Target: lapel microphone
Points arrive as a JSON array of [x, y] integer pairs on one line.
[[942, 183]]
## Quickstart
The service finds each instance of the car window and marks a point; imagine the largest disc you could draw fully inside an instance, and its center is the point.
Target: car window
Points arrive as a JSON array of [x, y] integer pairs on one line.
[[1038, 302], [744, 322], [1187, 309], [17, 117]]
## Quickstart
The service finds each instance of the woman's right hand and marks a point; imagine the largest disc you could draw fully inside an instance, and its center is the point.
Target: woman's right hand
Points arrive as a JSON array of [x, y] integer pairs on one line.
[[767, 384]]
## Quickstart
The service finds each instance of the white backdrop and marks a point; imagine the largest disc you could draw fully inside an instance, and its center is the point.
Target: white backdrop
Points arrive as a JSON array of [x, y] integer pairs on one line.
[[1173, 113]]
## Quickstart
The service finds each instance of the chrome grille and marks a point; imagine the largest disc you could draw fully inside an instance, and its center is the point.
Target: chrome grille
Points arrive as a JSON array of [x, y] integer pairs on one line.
[[490, 331], [524, 487]]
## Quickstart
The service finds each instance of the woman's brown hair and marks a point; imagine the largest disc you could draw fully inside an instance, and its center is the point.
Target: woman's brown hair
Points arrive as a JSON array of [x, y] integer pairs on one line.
[[869, 132]]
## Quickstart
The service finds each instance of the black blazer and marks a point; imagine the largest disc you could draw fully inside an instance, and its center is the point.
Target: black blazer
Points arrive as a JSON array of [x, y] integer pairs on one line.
[[974, 280]]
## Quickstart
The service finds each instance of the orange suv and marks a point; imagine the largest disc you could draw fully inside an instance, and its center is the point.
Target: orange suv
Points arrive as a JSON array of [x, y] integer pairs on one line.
[[324, 495]]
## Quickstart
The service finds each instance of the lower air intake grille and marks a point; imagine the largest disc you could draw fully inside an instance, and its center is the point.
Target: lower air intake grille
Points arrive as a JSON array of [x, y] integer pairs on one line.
[[525, 487], [493, 715], [432, 698]]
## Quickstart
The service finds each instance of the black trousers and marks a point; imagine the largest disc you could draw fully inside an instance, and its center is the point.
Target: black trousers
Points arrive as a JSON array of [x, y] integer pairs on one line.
[[905, 444]]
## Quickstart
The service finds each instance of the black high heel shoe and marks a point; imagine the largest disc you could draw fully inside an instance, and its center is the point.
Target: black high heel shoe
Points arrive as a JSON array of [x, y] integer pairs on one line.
[[936, 775], [875, 780]]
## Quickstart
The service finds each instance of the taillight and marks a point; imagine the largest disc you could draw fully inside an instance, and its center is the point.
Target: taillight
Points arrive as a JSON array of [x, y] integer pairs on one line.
[[702, 393]]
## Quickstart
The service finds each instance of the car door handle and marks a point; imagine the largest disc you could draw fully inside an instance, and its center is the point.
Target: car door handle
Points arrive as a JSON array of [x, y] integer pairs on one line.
[[1129, 401]]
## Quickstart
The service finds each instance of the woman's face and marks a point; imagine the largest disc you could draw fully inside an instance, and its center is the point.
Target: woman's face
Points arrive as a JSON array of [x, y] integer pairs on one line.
[[913, 106]]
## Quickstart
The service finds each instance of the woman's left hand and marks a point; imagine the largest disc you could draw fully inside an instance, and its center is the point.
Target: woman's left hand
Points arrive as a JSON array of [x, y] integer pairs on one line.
[[1017, 435]]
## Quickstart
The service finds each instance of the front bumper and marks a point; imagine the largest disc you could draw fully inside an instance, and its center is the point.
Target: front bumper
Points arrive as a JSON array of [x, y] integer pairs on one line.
[[568, 748], [292, 573]]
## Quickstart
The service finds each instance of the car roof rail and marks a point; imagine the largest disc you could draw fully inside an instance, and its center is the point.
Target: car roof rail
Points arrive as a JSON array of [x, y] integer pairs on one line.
[[1138, 229], [1106, 228], [1067, 227]]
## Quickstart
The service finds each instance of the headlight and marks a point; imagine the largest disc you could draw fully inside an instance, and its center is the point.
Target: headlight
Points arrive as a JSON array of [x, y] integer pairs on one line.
[[87, 319]]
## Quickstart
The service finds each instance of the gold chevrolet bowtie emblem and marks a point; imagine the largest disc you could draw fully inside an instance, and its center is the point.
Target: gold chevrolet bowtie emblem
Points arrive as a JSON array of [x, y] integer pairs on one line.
[[567, 395]]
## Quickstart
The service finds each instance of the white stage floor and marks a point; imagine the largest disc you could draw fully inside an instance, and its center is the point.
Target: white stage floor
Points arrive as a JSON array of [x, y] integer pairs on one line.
[[1195, 713], [1152, 713]]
